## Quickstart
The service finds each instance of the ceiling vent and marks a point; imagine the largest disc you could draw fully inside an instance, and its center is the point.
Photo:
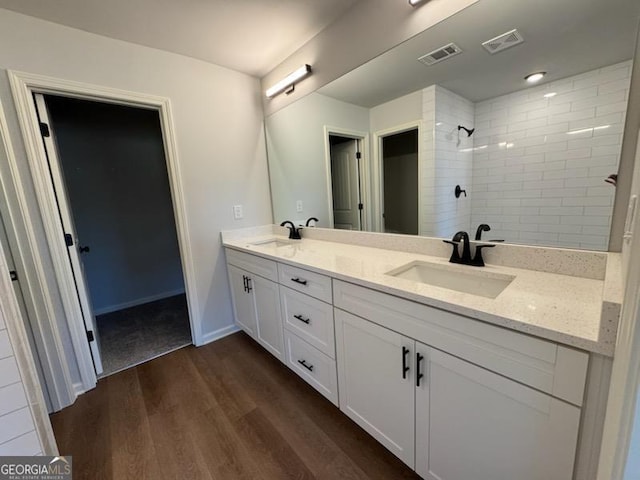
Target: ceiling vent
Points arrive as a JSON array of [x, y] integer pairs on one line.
[[440, 54], [504, 41]]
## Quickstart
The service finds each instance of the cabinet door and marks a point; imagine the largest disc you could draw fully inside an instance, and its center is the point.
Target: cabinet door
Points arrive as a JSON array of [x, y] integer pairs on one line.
[[474, 424], [374, 390], [268, 317], [243, 305]]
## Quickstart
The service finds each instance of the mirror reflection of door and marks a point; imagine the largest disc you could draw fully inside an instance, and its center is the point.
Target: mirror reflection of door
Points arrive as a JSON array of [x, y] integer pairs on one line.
[[346, 183], [400, 182]]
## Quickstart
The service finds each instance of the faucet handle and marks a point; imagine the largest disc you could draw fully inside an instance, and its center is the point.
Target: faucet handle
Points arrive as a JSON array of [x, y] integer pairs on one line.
[[455, 255], [477, 260]]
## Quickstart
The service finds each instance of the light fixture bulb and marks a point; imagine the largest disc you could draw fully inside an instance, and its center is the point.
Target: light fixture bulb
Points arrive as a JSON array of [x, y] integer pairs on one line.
[[413, 3], [286, 83], [535, 77]]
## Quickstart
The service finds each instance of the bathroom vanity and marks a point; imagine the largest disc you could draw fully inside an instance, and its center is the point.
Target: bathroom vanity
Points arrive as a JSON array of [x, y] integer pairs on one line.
[[481, 378]]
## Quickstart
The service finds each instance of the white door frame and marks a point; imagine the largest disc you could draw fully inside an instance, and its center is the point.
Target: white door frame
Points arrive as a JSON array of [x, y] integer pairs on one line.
[[23, 85], [365, 172], [377, 183]]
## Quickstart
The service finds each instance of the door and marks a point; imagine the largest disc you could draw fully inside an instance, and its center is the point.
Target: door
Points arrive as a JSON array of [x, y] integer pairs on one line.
[[376, 382], [400, 182], [472, 423], [242, 300], [268, 315], [345, 183], [69, 231]]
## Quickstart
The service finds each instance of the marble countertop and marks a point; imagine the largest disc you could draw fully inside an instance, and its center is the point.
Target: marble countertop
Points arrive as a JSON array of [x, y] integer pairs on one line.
[[567, 309]]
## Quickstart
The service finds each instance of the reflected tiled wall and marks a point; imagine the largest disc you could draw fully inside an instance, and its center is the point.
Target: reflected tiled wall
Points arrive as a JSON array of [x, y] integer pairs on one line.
[[541, 156]]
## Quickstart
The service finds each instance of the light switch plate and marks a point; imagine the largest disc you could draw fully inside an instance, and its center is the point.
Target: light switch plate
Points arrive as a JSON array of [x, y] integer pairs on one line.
[[299, 206], [237, 212]]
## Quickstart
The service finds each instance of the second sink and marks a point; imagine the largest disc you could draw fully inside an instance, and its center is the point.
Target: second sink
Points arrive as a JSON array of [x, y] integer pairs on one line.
[[485, 284]]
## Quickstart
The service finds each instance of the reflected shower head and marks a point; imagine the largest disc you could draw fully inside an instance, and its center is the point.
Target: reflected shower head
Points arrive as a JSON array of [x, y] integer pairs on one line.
[[469, 132]]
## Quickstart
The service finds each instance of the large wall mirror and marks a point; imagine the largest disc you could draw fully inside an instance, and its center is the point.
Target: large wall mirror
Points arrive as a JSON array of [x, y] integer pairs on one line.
[[460, 139]]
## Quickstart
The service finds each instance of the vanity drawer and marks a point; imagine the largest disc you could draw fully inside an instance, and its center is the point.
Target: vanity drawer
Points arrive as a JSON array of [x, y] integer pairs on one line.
[[252, 263], [555, 369], [314, 284], [310, 319], [316, 368]]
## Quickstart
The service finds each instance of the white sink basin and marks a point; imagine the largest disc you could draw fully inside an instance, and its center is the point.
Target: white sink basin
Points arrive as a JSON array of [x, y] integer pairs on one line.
[[272, 242], [458, 278]]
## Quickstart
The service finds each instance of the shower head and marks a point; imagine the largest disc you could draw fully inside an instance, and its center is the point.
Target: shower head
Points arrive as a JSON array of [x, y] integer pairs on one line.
[[469, 132]]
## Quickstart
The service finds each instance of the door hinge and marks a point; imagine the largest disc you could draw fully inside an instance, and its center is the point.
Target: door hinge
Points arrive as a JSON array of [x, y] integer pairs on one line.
[[90, 336], [360, 206], [44, 130], [358, 155], [13, 275], [68, 239]]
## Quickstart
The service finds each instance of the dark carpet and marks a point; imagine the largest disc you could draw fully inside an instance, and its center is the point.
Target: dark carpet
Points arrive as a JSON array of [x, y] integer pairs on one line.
[[137, 334]]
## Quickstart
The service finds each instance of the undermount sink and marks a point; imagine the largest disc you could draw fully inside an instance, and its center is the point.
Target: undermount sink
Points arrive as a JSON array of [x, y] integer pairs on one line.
[[272, 242], [469, 280]]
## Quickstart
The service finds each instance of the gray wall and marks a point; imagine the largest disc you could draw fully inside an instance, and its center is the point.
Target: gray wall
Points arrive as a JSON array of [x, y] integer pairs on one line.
[[400, 157], [116, 177]]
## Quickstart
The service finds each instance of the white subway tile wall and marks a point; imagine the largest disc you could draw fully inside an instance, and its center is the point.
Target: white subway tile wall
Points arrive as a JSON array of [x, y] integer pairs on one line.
[[17, 428], [540, 178]]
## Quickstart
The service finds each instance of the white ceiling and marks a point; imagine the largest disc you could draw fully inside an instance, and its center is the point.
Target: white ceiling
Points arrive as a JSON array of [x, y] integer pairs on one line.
[[562, 37], [251, 36]]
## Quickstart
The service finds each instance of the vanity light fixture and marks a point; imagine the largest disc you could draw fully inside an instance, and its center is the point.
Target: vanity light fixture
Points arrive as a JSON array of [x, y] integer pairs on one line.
[[413, 3], [535, 77], [288, 83]]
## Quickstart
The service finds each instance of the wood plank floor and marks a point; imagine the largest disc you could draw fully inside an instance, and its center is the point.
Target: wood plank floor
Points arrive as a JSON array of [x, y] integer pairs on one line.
[[228, 410]]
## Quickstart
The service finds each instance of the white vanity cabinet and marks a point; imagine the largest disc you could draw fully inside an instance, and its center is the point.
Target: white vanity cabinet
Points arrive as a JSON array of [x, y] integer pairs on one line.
[[307, 313], [256, 300], [453, 397], [444, 416], [474, 424]]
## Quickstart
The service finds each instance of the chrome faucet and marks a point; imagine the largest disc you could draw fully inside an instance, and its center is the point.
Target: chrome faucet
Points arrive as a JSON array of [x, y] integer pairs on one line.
[[294, 233]]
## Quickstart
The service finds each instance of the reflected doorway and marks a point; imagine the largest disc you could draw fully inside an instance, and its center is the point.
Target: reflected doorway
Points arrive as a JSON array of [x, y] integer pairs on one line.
[[346, 182], [399, 154]]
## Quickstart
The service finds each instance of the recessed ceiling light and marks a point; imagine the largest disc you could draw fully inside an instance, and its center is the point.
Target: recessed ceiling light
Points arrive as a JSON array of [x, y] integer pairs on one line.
[[550, 94], [535, 77]]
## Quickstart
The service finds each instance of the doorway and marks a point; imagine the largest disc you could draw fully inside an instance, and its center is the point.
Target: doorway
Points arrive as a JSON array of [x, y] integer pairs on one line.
[[400, 201], [346, 182], [109, 173]]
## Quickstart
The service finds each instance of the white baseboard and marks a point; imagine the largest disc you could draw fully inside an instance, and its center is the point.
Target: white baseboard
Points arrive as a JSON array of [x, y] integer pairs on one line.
[[78, 388], [217, 334], [137, 301]]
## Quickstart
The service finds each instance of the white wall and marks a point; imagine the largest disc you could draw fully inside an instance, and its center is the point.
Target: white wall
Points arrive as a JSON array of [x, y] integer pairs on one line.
[[297, 157], [427, 164], [398, 111], [220, 140], [453, 162], [537, 183]]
